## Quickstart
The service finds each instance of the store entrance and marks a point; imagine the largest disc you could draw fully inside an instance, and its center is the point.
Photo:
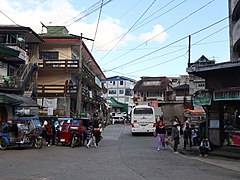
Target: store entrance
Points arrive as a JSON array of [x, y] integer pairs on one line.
[[231, 122]]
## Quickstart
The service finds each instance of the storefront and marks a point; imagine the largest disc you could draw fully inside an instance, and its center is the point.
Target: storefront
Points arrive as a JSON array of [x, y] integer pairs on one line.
[[230, 101]]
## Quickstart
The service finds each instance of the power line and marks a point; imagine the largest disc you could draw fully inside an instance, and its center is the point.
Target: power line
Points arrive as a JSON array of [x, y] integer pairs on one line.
[[169, 44], [180, 49], [138, 23], [129, 29], [97, 25], [9, 18], [88, 13], [162, 31]]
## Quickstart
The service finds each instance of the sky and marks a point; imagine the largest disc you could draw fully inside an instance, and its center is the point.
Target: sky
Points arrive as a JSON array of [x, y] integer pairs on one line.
[[134, 38]]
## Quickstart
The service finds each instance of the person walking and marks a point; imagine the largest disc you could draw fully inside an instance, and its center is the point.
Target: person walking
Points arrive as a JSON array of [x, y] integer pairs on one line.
[[160, 134], [90, 139], [195, 137], [175, 137], [49, 133], [96, 132], [187, 139]]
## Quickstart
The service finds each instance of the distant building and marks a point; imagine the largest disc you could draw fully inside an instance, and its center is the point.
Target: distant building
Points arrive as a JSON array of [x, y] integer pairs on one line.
[[121, 89]]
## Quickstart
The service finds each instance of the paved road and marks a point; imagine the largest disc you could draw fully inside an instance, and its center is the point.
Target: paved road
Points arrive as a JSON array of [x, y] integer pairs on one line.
[[119, 156]]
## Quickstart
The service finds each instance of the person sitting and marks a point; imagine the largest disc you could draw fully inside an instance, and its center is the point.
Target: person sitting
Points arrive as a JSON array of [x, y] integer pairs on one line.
[[204, 147]]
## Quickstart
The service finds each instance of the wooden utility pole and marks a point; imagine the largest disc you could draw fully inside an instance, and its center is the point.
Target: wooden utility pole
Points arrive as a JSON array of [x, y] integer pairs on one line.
[[80, 74], [79, 90]]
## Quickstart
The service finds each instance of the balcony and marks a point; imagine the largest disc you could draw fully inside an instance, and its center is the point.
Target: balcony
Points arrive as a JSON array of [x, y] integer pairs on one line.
[[59, 63]]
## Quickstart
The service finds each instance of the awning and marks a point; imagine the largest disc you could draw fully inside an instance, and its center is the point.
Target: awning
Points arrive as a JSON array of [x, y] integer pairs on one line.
[[14, 99]]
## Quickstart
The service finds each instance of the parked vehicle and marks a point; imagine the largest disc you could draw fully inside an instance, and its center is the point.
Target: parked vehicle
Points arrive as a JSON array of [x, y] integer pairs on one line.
[[65, 135], [24, 130]]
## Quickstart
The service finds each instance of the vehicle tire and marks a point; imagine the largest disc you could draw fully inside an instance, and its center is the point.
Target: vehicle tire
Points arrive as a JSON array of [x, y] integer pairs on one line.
[[38, 143], [3, 144], [73, 142]]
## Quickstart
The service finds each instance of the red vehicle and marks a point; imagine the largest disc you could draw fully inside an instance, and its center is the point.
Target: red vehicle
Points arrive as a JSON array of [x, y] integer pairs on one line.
[[79, 131], [65, 135]]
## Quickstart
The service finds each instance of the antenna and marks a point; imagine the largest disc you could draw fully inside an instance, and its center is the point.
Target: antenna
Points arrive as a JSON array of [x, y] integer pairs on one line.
[[43, 25]]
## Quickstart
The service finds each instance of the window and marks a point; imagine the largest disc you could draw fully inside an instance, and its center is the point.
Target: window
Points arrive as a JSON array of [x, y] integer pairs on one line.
[[121, 83], [48, 55], [121, 91], [112, 91], [113, 82]]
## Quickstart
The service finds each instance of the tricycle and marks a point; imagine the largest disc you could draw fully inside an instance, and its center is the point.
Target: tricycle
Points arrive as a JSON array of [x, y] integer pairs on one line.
[[24, 130], [78, 131]]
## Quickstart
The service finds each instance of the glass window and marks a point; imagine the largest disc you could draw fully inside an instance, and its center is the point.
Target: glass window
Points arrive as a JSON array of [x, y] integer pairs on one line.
[[143, 111], [112, 91], [121, 91], [121, 82], [48, 55]]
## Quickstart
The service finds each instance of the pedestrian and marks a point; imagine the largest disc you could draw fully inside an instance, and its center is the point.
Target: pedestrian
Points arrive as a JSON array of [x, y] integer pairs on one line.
[[49, 133], [204, 147], [66, 87], [96, 132], [179, 125], [160, 134], [44, 130], [187, 135], [90, 139], [175, 137], [195, 136]]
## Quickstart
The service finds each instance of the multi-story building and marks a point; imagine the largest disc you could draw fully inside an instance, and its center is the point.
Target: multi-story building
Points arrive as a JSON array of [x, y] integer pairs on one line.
[[121, 89], [221, 97], [234, 29], [18, 72], [69, 79], [152, 89]]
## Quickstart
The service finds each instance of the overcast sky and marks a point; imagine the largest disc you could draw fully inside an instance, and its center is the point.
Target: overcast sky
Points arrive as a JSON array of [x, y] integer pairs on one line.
[[133, 38]]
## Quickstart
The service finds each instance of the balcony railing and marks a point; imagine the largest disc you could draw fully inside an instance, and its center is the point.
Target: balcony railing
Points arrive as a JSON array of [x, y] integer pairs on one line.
[[59, 63], [56, 89]]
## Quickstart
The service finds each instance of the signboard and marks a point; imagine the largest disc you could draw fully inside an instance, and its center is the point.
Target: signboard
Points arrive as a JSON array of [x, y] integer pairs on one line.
[[226, 95], [214, 123], [202, 98]]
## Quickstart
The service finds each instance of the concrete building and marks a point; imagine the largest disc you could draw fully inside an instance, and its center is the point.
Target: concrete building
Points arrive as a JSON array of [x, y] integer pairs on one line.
[[121, 89], [222, 90], [69, 79]]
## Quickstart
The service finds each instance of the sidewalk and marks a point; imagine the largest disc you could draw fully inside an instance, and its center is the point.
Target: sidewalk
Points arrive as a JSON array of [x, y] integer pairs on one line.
[[227, 157], [230, 152]]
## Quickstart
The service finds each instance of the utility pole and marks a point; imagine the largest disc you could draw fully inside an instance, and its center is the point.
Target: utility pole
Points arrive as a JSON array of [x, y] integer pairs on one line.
[[189, 50], [80, 73]]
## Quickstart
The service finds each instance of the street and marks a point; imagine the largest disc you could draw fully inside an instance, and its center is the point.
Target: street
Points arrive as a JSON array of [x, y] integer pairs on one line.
[[119, 156]]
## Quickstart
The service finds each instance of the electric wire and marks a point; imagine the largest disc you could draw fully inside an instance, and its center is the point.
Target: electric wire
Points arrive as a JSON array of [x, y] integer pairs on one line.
[[101, 45], [9, 18], [169, 44], [180, 55], [97, 25], [128, 30], [186, 17]]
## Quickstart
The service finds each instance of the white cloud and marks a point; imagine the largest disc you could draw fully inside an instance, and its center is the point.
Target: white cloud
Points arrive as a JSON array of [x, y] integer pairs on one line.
[[157, 34], [57, 12]]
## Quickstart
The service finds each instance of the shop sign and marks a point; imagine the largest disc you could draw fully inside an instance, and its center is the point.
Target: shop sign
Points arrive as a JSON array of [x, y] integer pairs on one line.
[[26, 111], [202, 98], [226, 95], [214, 123]]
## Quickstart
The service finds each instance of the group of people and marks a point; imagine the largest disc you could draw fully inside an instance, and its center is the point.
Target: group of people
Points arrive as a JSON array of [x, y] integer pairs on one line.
[[188, 132], [51, 131]]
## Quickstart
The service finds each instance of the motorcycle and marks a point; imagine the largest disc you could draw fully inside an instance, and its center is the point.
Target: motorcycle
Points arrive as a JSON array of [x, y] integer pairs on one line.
[[24, 130]]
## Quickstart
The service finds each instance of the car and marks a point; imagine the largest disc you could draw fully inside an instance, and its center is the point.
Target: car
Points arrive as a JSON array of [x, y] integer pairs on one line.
[[117, 119]]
